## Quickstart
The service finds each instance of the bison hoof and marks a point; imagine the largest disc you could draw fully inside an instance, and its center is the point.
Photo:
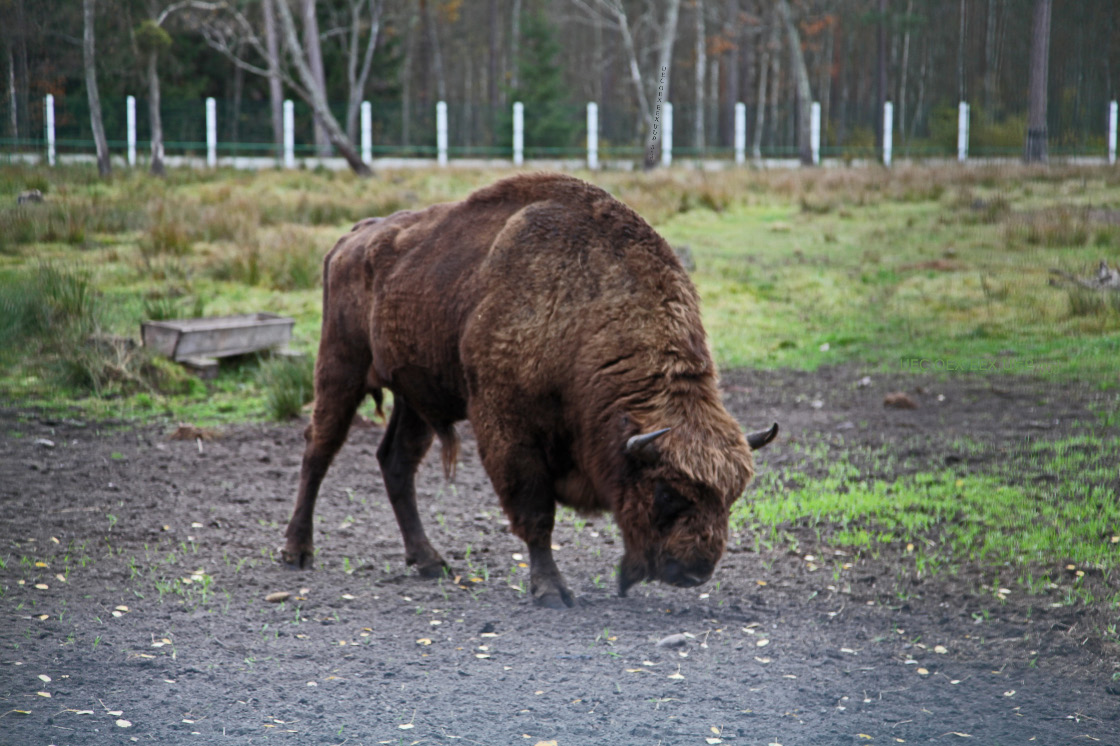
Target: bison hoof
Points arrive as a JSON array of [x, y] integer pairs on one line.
[[557, 597], [554, 601], [433, 570], [297, 558]]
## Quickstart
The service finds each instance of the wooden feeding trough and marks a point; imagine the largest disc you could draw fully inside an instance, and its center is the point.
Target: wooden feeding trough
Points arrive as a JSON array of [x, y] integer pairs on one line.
[[198, 343]]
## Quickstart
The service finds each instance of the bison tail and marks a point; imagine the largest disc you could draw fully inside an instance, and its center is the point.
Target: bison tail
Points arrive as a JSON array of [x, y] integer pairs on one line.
[[449, 447], [378, 400]]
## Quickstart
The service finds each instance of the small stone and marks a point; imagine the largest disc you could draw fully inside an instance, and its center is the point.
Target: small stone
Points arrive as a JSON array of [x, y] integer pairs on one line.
[[672, 641]]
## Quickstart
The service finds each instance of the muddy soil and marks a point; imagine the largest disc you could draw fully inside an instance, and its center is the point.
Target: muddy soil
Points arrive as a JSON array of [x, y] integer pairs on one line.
[[136, 570]]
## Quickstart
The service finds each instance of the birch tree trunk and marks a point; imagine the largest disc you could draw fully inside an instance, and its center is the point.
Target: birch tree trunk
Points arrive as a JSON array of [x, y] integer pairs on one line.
[[731, 72], [701, 72], [437, 54], [775, 79], [881, 75], [990, 63], [492, 87], [824, 88], [768, 47], [317, 95], [89, 58], [154, 116], [923, 72], [515, 45], [804, 92], [645, 123], [357, 74], [275, 87], [1035, 151], [960, 52], [905, 68], [406, 75], [314, 52], [12, 97], [235, 104]]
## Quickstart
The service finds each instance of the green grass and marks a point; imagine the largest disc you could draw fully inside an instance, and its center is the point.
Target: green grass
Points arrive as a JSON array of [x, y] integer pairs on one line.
[[1038, 504], [891, 285]]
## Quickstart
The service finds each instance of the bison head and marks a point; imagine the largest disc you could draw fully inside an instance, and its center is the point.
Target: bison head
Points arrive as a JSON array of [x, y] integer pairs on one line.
[[675, 525]]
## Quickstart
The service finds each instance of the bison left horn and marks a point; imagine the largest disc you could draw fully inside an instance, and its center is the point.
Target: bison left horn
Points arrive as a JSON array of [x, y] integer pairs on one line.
[[644, 446], [758, 439]]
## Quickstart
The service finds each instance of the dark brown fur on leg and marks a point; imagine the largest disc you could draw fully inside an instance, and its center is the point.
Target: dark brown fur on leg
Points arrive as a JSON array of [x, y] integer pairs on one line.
[[337, 396], [528, 498], [403, 447]]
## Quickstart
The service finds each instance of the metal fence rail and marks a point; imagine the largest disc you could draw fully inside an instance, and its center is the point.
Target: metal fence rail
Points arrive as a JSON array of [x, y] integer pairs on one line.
[[213, 131]]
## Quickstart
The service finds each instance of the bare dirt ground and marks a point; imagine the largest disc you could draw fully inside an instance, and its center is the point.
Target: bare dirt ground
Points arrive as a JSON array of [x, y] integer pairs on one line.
[[136, 569]]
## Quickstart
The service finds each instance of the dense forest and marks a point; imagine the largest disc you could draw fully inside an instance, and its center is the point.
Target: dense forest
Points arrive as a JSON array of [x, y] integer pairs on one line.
[[630, 56]]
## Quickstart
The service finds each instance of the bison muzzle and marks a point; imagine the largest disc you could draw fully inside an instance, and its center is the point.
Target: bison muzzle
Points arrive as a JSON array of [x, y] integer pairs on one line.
[[563, 327]]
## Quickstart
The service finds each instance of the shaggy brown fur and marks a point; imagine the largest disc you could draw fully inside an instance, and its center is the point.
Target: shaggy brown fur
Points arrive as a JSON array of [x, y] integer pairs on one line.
[[557, 321]]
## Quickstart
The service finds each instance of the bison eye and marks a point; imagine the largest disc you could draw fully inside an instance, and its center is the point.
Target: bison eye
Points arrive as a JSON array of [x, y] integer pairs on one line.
[[668, 505]]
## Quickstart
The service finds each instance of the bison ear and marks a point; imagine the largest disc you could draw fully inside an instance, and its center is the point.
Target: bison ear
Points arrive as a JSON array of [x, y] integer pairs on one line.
[[644, 446]]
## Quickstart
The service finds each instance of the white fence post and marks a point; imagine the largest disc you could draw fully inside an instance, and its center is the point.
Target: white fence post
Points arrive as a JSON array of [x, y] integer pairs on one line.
[[367, 132], [441, 132], [211, 132], [962, 132], [740, 133], [593, 136], [289, 134], [888, 132], [815, 132], [518, 133], [1112, 117], [667, 135], [130, 120], [48, 105]]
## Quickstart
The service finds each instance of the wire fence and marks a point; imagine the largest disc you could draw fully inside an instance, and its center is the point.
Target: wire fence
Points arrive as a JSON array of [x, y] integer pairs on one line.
[[409, 130]]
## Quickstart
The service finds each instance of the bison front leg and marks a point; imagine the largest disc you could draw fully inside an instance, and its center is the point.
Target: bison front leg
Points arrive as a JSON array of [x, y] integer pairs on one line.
[[400, 453], [528, 497]]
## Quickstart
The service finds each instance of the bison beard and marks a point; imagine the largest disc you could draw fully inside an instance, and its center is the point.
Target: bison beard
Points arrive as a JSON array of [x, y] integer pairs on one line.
[[562, 326]]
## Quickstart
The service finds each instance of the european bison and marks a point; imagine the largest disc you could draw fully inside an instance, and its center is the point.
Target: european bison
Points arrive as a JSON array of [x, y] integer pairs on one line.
[[562, 326]]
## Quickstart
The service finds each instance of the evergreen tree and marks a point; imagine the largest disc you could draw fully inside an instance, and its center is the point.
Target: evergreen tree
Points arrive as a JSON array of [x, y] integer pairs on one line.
[[551, 120]]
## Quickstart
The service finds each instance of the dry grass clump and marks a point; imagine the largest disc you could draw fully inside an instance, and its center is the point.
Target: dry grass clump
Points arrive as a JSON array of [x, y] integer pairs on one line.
[[288, 257], [1065, 226], [1089, 302]]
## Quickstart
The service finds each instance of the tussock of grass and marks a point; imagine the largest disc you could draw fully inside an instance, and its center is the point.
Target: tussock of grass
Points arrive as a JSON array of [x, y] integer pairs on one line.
[[49, 305], [51, 323], [288, 383]]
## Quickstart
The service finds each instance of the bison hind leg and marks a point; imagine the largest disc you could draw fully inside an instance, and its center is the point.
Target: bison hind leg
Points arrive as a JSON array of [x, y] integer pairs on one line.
[[406, 440]]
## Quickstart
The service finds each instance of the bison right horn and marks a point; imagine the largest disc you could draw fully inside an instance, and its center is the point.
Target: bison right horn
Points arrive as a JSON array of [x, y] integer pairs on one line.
[[758, 439], [643, 446]]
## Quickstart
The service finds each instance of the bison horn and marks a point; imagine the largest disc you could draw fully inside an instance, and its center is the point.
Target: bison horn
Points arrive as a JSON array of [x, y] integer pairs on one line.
[[643, 446], [762, 437]]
